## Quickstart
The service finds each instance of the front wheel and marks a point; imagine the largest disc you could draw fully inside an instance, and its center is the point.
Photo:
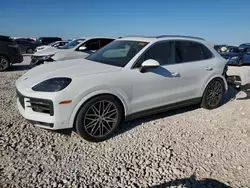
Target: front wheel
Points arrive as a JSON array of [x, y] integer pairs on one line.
[[213, 94], [98, 118]]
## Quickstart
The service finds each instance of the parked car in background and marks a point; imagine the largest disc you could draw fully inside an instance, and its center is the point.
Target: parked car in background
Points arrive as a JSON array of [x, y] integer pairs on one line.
[[231, 51], [244, 46], [10, 53], [78, 48], [47, 40], [239, 69], [26, 45], [53, 44], [126, 79]]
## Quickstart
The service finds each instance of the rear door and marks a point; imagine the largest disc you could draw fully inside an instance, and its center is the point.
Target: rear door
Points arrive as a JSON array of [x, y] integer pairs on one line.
[[194, 66]]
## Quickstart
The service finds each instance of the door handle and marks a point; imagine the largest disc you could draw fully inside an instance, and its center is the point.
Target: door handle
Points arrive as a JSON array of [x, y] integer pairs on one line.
[[208, 68], [175, 74]]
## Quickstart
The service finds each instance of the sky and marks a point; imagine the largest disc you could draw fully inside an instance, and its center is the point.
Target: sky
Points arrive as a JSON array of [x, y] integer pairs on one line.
[[218, 21]]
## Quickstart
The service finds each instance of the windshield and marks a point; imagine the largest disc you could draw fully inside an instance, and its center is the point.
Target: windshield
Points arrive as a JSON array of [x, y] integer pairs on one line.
[[72, 44], [53, 43], [117, 53]]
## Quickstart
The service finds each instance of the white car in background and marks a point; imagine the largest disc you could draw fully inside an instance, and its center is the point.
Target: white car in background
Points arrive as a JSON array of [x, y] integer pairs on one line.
[[78, 48], [51, 45], [128, 78]]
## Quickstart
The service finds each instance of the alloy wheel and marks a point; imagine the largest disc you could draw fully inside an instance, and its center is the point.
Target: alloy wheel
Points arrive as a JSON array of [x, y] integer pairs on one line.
[[214, 93], [3, 63], [100, 118]]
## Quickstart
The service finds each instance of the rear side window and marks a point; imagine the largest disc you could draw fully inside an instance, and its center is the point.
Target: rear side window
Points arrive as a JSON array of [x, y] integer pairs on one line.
[[6, 39], [187, 51], [207, 54]]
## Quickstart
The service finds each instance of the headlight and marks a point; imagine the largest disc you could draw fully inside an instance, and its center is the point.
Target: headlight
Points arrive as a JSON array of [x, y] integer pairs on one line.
[[46, 57], [235, 57], [52, 85]]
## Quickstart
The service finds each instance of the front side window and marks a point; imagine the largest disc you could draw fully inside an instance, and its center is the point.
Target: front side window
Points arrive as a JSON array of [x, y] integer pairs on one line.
[[186, 51], [161, 52], [105, 41], [72, 44], [93, 44], [117, 53]]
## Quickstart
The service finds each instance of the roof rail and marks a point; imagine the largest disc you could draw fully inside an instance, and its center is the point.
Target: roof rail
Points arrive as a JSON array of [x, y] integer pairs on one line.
[[138, 36], [165, 36]]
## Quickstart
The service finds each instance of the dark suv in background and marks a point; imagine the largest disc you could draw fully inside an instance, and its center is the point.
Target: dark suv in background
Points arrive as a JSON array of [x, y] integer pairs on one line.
[[26, 45], [10, 53]]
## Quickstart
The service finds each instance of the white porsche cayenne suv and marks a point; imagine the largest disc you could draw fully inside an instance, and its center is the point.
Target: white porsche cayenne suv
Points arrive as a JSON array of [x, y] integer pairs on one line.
[[128, 78]]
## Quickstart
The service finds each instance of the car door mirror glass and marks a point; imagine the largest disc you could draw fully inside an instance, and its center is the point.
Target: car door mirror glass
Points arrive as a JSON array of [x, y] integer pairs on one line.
[[150, 63]]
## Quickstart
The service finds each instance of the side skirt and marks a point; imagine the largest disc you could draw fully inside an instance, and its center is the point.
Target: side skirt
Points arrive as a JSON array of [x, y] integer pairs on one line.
[[163, 109]]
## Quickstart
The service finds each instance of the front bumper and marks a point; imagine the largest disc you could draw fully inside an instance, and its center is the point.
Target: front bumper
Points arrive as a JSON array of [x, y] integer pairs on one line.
[[43, 110]]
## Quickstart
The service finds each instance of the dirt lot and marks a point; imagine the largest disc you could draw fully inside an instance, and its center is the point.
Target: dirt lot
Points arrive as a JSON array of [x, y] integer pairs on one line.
[[189, 147]]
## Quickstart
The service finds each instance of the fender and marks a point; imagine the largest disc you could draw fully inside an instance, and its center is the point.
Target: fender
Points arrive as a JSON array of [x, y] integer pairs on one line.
[[215, 76], [95, 93]]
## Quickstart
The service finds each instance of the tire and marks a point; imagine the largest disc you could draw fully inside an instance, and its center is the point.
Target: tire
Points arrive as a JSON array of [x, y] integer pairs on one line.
[[4, 63], [213, 94], [97, 128], [29, 51]]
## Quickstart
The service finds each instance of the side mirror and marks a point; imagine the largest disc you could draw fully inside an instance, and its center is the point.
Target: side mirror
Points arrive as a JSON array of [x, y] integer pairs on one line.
[[150, 63], [82, 48]]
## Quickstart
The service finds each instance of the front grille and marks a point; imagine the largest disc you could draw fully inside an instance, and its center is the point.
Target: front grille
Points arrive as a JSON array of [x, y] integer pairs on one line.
[[42, 106], [20, 98]]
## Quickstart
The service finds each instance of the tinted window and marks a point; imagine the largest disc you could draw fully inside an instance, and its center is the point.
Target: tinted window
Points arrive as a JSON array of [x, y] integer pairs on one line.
[[105, 41], [161, 52], [206, 52], [93, 44], [6, 39], [188, 51], [22, 41]]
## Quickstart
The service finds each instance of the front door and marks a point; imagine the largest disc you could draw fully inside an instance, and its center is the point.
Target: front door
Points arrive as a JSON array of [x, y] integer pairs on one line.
[[158, 86]]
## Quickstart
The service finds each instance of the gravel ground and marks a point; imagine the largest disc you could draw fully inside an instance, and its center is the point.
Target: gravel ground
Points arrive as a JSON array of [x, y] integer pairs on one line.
[[190, 147]]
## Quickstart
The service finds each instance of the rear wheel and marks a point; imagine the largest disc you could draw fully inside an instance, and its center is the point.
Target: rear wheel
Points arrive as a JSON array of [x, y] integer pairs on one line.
[[213, 94], [98, 118], [4, 63]]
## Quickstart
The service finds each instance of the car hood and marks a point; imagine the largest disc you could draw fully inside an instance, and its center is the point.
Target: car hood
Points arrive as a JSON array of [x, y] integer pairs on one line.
[[48, 51], [68, 68]]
